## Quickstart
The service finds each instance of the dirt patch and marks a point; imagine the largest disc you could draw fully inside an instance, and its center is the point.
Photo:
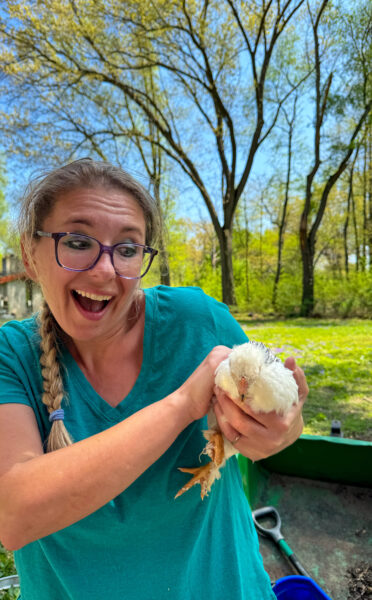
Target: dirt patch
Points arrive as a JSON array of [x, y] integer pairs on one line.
[[328, 526], [360, 582]]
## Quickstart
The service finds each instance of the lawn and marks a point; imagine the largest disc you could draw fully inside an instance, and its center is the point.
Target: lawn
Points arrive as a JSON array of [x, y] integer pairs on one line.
[[336, 356], [337, 359]]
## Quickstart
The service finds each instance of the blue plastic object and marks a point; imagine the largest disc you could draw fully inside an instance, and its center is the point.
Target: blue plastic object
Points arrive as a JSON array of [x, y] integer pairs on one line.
[[297, 587]]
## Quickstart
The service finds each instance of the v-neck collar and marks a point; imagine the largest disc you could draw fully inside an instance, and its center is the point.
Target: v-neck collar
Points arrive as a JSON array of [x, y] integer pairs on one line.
[[134, 400]]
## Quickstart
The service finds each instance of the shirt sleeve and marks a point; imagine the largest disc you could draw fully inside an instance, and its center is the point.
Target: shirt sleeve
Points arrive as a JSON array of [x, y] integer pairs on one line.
[[20, 373], [12, 383], [227, 330]]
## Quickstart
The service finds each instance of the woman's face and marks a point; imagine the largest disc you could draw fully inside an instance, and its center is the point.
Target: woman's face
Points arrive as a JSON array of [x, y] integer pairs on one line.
[[110, 216]]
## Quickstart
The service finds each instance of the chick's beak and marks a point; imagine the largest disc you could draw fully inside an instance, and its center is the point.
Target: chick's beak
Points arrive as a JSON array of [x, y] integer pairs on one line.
[[242, 388]]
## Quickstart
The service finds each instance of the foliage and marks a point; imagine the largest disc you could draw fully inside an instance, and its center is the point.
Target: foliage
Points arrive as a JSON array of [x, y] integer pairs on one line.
[[194, 259], [5, 241], [344, 297], [7, 568]]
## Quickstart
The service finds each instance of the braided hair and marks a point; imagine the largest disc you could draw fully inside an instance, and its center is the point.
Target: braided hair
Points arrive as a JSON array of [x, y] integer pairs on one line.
[[52, 378]]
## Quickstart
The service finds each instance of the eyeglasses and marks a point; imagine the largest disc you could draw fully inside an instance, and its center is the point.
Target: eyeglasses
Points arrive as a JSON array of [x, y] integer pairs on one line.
[[78, 252]]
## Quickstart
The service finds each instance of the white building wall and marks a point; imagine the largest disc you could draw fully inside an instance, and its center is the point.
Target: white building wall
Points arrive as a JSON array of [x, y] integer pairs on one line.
[[17, 307], [37, 298]]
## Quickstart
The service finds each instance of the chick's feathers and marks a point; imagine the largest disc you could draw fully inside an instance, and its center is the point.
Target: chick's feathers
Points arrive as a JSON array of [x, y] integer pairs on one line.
[[252, 375]]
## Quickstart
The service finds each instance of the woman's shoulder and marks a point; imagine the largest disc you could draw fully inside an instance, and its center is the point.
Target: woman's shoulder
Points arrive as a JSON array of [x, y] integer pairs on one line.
[[17, 335], [24, 327], [190, 299], [193, 308]]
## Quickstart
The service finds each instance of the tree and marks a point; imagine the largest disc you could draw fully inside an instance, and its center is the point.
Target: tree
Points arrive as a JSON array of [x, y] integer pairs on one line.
[[314, 208], [154, 168], [350, 209], [213, 60], [6, 241], [283, 217]]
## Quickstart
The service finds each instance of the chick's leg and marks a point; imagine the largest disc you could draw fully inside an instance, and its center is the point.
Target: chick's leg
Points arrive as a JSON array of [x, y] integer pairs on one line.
[[202, 475], [215, 447], [206, 474]]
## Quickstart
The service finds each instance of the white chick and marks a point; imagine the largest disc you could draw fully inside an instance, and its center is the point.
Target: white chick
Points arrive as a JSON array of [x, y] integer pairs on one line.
[[253, 375]]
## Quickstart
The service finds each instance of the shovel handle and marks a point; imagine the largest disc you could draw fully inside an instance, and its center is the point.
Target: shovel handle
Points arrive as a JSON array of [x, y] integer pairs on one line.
[[288, 552], [273, 532], [276, 535]]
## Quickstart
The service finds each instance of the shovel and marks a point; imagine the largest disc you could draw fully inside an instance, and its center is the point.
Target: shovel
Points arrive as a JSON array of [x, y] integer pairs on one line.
[[275, 534]]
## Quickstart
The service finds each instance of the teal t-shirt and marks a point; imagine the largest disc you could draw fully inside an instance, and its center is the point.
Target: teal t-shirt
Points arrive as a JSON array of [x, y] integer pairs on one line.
[[143, 544]]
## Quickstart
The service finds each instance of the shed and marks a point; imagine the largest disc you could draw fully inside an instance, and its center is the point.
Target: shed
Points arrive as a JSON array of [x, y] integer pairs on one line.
[[19, 297]]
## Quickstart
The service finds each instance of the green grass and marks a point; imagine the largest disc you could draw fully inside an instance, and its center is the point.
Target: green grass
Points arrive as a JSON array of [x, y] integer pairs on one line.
[[336, 356], [7, 568]]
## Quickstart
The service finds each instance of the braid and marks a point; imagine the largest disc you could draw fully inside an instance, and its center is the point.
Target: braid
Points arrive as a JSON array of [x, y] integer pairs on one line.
[[52, 384]]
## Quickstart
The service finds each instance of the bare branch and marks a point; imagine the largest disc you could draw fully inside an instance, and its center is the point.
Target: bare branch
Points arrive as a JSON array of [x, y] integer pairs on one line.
[[336, 174]]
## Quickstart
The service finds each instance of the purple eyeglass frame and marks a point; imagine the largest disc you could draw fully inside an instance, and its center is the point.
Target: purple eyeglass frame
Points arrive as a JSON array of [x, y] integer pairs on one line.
[[102, 248]]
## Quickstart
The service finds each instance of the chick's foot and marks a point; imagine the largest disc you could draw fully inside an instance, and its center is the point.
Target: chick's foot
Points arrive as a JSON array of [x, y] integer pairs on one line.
[[208, 473], [204, 475]]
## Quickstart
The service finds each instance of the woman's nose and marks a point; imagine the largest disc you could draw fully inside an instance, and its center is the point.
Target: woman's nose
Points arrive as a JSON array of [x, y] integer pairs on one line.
[[104, 266]]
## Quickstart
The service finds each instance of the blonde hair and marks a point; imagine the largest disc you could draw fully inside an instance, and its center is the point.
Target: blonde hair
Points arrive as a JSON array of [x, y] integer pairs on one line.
[[39, 200], [52, 378]]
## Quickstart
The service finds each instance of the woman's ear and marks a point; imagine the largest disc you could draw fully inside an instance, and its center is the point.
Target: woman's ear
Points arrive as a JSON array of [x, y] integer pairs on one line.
[[27, 251]]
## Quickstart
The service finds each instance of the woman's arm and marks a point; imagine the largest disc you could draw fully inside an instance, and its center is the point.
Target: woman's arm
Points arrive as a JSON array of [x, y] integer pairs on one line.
[[43, 493]]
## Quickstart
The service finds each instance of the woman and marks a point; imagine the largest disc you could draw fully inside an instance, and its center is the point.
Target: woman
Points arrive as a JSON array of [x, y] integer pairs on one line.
[[103, 399]]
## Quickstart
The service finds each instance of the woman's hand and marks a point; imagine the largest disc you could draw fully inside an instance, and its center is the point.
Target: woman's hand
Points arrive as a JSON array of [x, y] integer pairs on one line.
[[198, 390], [261, 434]]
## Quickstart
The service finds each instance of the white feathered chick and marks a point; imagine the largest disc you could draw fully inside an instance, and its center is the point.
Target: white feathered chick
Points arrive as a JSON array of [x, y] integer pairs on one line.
[[253, 375]]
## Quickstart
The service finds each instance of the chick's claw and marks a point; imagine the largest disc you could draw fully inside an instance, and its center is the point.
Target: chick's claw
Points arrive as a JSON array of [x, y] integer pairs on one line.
[[202, 475], [206, 474]]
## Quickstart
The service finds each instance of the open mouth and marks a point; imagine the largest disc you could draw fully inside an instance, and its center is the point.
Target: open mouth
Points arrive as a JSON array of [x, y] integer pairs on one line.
[[91, 302]]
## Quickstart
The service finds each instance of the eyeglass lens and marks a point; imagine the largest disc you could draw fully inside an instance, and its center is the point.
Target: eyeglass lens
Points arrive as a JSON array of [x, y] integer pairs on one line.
[[80, 252]]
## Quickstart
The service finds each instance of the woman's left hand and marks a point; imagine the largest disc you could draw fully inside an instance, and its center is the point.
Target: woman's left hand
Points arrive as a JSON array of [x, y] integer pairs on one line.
[[260, 435]]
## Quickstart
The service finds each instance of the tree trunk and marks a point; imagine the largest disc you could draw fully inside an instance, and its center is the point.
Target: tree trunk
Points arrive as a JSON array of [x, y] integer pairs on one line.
[[246, 247], [307, 255], [346, 227], [279, 262], [283, 220], [364, 196], [307, 301], [163, 254], [369, 194], [163, 263], [228, 288], [355, 226]]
